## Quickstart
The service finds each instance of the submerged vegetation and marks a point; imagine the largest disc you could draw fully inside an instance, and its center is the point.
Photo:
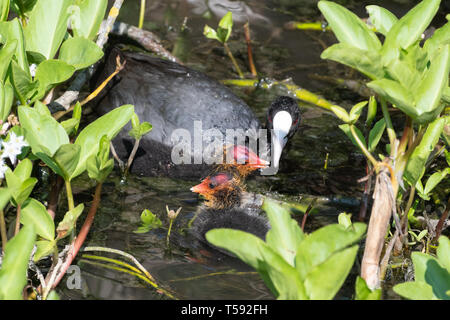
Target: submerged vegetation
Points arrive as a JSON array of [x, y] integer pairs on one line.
[[49, 46]]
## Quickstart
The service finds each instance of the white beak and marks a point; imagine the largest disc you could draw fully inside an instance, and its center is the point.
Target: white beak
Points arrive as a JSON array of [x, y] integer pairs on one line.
[[282, 122]]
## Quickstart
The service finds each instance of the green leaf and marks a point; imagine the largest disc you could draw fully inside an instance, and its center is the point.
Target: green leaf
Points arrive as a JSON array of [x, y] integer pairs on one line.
[[109, 124], [363, 292], [341, 113], [225, 27], [67, 157], [24, 87], [69, 222], [210, 33], [443, 252], [366, 62], [284, 277], [34, 213], [13, 30], [415, 291], [5, 195], [6, 100], [25, 190], [76, 114], [381, 18], [87, 21], [6, 54], [345, 220], [51, 72], [320, 245], [409, 28], [13, 274], [70, 124], [355, 112], [22, 7], [53, 296], [405, 73], [4, 10], [43, 249], [429, 92], [325, 280], [375, 134], [348, 27], [149, 221], [395, 93], [43, 133], [434, 180], [440, 37], [80, 52], [371, 111], [42, 108], [416, 163], [99, 165], [284, 235], [47, 26]]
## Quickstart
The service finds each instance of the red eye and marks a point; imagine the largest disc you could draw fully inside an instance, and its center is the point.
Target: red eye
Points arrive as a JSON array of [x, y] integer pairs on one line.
[[270, 119], [295, 122]]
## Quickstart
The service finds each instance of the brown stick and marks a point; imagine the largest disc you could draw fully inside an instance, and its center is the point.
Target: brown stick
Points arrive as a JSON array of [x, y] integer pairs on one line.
[[249, 50], [54, 196], [79, 240], [384, 200], [444, 217], [365, 197]]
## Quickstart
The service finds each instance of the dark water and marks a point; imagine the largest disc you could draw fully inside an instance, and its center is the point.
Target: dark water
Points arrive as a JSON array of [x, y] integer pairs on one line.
[[190, 271]]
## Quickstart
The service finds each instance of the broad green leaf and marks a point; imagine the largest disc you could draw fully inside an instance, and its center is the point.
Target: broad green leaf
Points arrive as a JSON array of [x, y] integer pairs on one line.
[[284, 235], [34, 213], [43, 133], [415, 290], [6, 100], [375, 134], [87, 21], [70, 124], [325, 280], [100, 165], [43, 249], [23, 169], [24, 87], [284, 277], [25, 190], [320, 245], [109, 124], [416, 163], [47, 26], [6, 54], [53, 295], [355, 112], [4, 10], [434, 180], [69, 222], [395, 93], [341, 113], [51, 72], [13, 30], [67, 157], [381, 18], [5, 195], [348, 27], [13, 274], [443, 252], [366, 62], [76, 114], [440, 38], [80, 52], [429, 92], [225, 27], [404, 73], [22, 7], [409, 28], [363, 292]]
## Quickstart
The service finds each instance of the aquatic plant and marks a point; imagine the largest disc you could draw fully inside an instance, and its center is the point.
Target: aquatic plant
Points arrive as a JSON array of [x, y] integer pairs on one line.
[[37, 54], [413, 78], [295, 265]]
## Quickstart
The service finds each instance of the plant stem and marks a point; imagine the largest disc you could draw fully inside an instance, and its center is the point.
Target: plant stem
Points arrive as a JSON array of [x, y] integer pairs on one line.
[[141, 14], [168, 232], [132, 155], [16, 231], [249, 49], [440, 224], [362, 146], [3, 230], [389, 128], [69, 195], [236, 66]]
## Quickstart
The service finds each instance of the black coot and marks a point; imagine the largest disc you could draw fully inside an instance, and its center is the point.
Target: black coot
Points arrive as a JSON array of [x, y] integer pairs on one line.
[[181, 103]]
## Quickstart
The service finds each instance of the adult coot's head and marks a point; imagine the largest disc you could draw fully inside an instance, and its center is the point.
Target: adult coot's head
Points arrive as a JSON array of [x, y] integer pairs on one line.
[[283, 119]]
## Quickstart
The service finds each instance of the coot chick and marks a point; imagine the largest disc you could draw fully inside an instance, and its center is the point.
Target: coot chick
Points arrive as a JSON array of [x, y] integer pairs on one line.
[[184, 106], [227, 206]]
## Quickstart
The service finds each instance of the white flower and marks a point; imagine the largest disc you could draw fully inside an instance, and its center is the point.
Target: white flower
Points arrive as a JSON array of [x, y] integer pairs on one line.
[[3, 168], [13, 147]]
